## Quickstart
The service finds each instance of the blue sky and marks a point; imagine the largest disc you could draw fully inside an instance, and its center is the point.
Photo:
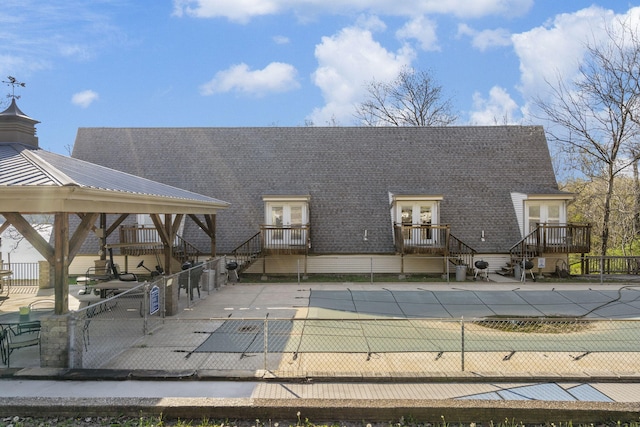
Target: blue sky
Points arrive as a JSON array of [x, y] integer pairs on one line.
[[177, 63]]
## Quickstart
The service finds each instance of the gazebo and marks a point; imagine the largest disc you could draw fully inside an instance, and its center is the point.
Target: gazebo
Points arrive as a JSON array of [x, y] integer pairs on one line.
[[35, 181]]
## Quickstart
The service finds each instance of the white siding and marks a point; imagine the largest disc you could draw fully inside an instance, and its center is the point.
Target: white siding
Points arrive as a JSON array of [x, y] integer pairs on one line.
[[496, 261], [348, 264], [518, 205]]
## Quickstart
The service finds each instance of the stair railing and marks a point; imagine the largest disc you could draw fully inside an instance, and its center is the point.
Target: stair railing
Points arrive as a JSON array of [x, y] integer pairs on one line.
[[460, 253], [528, 247], [248, 251]]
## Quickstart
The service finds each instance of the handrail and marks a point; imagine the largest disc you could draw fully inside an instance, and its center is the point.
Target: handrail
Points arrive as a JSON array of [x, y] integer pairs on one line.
[[248, 250], [553, 238], [182, 249], [527, 247], [189, 251], [289, 239], [460, 253], [421, 238]]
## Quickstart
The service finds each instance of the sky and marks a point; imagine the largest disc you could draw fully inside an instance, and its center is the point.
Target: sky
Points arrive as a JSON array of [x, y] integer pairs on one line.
[[228, 63]]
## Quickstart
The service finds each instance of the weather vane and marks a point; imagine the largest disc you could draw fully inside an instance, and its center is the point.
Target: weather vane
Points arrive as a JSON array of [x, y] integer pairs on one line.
[[13, 82]]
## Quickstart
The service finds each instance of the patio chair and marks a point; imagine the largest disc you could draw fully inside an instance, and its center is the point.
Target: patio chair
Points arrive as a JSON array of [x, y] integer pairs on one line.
[[42, 304], [192, 279], [12, 340]]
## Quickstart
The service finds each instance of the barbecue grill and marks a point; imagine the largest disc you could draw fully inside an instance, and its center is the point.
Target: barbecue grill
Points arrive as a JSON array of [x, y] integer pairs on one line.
[[527, 266], [481, 269], [233, 267]]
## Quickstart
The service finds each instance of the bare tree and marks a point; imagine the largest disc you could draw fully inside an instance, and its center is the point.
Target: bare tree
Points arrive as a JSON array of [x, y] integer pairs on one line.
[[595, 113], [414, 98]]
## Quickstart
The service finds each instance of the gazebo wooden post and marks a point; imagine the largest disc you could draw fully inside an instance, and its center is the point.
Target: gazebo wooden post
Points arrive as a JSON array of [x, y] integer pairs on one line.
[[61, 265], [211, 222]]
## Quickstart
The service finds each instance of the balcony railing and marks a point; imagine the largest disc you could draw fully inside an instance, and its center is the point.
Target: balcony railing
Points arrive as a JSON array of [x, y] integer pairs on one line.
[[287, 240], [552, 238], [140, 241], [422, 239]]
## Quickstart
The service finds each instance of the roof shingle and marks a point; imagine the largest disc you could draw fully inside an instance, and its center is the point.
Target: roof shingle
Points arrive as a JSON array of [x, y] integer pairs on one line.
[[348, 172]]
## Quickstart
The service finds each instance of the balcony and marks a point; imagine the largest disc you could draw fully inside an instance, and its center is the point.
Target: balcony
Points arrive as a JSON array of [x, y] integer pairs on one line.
[[139, 241], [286, 240], [554, 239], [422, 239]]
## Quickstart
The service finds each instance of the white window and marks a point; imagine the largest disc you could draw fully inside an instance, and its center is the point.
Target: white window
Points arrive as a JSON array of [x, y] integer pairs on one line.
[[551, 215], [417, 218], [286, 220], [541, 212]]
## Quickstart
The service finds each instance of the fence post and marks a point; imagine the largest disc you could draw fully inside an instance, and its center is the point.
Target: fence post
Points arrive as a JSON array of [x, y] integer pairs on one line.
[[601, 269], [72, 340], [462, 343], [266, 341], [145, 309]]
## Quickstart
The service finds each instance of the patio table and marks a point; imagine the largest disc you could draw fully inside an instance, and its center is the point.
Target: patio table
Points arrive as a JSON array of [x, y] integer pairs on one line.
[[15, 318]]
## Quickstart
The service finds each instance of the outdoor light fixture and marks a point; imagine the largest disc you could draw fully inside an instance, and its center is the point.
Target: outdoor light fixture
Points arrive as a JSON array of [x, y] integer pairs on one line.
[[482, 236], [366, 235]]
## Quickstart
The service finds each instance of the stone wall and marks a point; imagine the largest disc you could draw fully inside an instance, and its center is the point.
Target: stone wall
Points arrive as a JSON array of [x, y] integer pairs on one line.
[[45, 275], [54, 341]]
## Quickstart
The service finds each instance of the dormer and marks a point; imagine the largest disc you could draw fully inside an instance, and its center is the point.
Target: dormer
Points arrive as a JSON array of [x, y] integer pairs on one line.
[[17, 127]]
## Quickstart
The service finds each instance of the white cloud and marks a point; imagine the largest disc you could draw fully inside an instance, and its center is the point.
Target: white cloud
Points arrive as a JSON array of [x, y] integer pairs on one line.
[[483, 40], [498, 109], [244, 10], [85, 98], [347, 61], [422, 29], [557, 48], [234, 10], [281, 40], [275, 77]]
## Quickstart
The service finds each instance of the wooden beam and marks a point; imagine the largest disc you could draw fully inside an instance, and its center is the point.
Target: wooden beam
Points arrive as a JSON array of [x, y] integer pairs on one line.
[[176, 225], [115, 225], [4, 226], [211, 221], [86, 225], [29, 233], [61, 262], [209, 228], [203, 226], [160, 228], [168, 252]]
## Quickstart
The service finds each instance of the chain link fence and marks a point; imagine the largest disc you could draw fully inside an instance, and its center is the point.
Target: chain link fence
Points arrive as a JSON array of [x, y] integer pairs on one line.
[[122, 321], [120, 333], [130, 331]]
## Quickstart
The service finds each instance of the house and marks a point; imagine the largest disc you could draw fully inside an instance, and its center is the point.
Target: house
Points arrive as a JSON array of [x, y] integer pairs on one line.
[[358, 199]]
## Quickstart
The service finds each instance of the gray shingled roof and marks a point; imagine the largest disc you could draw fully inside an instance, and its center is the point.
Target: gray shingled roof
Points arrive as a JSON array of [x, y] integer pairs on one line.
[[348, 173]]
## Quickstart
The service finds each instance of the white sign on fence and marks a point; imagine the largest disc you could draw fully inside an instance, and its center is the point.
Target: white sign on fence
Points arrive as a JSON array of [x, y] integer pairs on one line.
[[154, 300]]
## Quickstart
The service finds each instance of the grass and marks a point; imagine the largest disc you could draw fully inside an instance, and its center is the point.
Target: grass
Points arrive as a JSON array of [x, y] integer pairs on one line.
[[541, 325]]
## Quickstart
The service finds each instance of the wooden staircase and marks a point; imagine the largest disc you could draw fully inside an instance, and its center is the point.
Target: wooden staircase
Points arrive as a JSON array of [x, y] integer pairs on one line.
[[459, 253], [248, 251], [526, 249]]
